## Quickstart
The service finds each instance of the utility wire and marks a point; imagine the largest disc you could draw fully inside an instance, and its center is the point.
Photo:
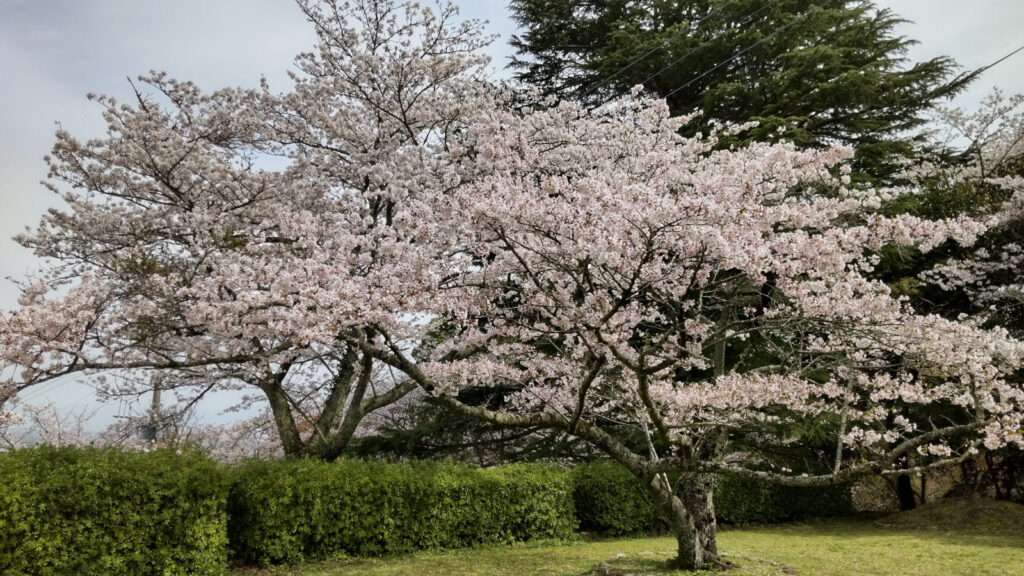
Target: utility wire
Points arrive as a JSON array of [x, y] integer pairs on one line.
[[978, 72], [969, 76], [746, 19], [35, 393], [1007, 57], [663, 44], [740, 53]]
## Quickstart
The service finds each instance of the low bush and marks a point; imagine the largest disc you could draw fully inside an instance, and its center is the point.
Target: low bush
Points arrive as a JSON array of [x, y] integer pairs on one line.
[[745, 501], [70, 511], [80, 512], [298, 510], [609, 500]]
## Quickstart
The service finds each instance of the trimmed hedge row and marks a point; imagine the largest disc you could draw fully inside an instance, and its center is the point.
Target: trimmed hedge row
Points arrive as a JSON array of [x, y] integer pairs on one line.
[[609, 501], [66, 511], [746, 501], [298, 510]]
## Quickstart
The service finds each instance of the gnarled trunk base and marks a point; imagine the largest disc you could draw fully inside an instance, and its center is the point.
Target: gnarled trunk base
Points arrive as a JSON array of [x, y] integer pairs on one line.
[[691, 517]]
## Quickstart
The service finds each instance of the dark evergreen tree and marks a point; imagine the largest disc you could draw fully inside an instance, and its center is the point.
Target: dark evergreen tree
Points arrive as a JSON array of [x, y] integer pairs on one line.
[[829, 71]]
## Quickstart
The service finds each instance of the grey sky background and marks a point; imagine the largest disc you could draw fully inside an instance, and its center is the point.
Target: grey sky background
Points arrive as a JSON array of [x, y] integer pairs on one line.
[[54, 52]]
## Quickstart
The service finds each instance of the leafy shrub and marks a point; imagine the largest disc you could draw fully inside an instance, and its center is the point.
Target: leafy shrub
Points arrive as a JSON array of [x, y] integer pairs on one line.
[[291, 511], [609, 500], [73, 511], [745, 501]]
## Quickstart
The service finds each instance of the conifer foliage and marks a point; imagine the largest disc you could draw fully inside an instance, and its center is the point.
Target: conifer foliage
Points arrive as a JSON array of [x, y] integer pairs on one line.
[[829, 71]]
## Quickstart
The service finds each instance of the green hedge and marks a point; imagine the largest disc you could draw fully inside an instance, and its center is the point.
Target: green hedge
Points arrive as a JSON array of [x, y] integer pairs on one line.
[[746, 501], [66, 511], [79, 512], [610, 501], [298, 510]]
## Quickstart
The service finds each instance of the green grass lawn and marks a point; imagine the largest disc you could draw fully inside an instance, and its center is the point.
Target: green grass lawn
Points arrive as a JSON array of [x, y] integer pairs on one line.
[[911, 545]]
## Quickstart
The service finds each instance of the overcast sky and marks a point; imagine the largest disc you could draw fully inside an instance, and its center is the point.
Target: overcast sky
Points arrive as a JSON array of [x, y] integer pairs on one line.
[[54, 52]]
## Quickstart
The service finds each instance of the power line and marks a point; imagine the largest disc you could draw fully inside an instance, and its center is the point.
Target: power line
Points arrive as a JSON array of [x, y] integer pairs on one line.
[[999, 61], [663, 44], [746, 19], [765, 39], [43, 389], [740, 53]]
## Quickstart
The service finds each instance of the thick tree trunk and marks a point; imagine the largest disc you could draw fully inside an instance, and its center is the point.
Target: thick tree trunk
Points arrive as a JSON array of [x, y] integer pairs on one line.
[[284, 422], [697, 492], [905, 492], [280, 407], [695, 535]]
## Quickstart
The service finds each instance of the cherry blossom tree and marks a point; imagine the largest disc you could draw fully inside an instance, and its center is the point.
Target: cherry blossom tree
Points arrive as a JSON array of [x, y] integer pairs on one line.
[[623, 277], [983, 285], [989, 276], [677, 307], [23, 425], [180, 252], [46, 424]]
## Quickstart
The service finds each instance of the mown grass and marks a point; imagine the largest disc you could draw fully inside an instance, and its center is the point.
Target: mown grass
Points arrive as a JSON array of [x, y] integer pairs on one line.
[[911, 545]]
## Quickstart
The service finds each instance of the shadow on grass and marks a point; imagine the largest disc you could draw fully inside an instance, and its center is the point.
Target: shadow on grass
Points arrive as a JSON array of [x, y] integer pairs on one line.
[[655, 566]]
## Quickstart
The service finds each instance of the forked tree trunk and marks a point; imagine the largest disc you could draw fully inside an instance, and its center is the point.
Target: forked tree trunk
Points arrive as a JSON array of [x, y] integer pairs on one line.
[[691, 517], [697, 491]]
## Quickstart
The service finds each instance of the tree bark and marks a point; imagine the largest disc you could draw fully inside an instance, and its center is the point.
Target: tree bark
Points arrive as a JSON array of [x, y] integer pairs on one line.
[[291, 439], [905, 492], [336, 443], [697, 491], [696, 548]]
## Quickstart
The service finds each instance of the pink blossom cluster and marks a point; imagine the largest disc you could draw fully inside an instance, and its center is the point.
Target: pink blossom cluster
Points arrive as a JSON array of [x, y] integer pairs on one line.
[[990, 274], [615, 274]]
